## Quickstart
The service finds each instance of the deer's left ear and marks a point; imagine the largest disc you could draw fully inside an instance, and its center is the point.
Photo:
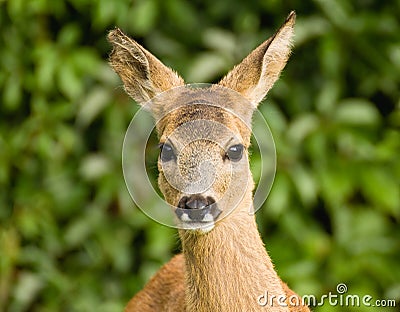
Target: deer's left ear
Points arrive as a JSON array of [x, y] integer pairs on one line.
[[257, 73]]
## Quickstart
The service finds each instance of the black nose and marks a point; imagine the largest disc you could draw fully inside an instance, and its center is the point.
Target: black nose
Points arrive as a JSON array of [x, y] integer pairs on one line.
[[194, 202], [197, 208]]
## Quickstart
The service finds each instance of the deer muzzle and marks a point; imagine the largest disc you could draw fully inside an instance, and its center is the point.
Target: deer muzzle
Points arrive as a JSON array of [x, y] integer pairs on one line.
[[197, 209]]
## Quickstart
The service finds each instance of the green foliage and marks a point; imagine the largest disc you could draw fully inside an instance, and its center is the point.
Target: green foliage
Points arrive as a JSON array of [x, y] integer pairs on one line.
[[70, 236]]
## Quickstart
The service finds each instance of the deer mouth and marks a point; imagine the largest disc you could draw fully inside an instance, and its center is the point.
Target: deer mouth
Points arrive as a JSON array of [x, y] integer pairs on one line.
[[197, 210]]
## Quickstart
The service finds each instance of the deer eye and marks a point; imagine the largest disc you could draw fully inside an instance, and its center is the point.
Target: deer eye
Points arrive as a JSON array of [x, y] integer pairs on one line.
[[167, 152], [235, 152]]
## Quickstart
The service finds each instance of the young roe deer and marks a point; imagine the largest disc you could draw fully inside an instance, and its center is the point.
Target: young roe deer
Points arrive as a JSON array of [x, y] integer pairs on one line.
[[224, 265]]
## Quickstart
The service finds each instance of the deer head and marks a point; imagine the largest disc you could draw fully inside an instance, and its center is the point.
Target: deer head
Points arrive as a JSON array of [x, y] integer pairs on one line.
[[204, 132]]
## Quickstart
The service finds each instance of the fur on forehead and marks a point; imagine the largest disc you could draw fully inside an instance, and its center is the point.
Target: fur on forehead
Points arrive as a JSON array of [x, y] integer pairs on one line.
[[186, 114], [187, 98]]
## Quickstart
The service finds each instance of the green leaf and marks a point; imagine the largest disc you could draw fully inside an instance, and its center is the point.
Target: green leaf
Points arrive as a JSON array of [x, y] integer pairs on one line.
[[206, 67], [92, 105], [382, 189], [302, 126], [305, 184], [143, 16], [12, 93], [27, 288], [94, 166], [357, 112], [69, 82], [336, 183], [279, 199]]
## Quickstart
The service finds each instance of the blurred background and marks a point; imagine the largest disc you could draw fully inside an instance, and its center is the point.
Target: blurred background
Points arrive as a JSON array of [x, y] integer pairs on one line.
[[71, 239]]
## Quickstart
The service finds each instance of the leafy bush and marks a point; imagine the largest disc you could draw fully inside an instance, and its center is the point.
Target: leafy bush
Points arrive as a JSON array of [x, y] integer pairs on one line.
[[70, 237]]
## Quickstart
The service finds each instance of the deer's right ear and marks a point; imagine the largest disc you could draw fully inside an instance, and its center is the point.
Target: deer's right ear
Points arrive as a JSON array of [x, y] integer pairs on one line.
[[143, 75]]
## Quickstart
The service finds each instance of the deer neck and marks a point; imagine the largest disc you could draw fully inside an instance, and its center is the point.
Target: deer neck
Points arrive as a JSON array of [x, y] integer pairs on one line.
[[227, 269]]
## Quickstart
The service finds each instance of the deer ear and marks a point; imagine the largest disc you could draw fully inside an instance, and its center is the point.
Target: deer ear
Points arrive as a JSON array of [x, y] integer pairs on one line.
[[143, 75], [257, 73]]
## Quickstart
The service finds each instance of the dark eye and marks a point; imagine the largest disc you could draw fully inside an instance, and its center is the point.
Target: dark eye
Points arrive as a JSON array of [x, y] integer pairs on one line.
[[167, 152], [235, 152]]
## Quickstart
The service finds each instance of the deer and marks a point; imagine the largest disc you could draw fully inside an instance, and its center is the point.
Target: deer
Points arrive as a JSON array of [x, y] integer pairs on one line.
[[224, 265]]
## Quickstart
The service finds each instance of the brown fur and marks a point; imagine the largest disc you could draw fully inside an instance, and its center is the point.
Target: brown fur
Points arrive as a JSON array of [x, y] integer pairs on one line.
[[165, 291], [226, 268]]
